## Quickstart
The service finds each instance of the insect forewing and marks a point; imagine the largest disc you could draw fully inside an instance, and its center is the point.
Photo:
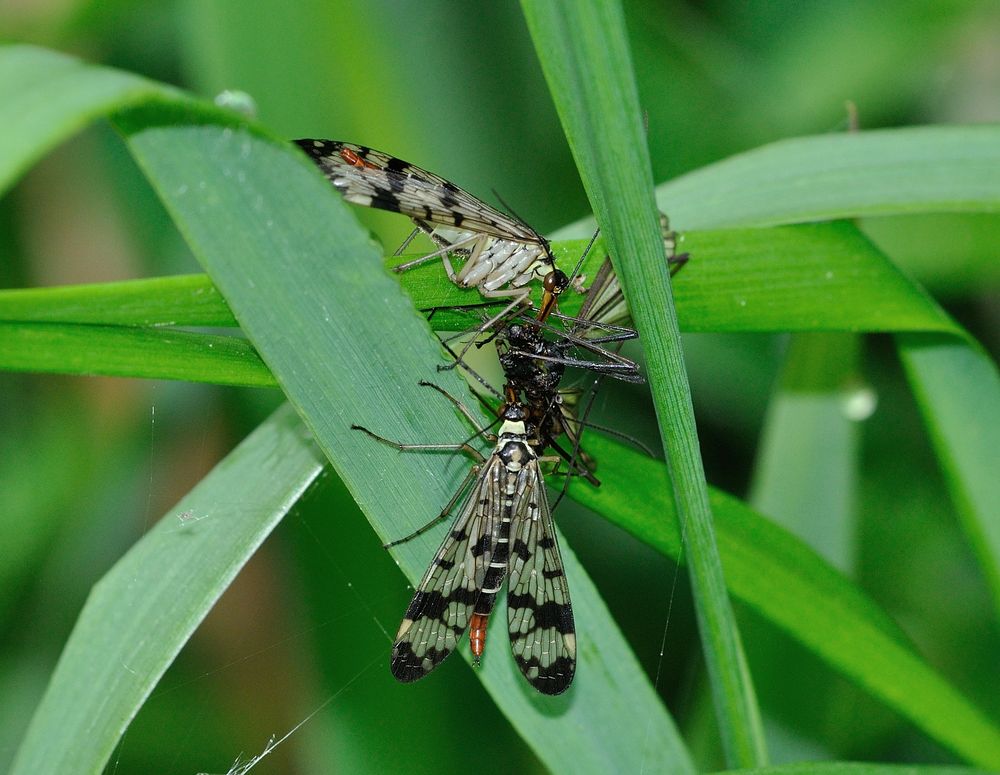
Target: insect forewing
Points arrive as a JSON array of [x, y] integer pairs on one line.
[[438, 614], [374, 179]]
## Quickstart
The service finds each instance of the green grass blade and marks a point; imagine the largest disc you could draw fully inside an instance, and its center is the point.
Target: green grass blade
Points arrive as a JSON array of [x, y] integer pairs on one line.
[[125, 351], [883, 172], [47, 97], [958, 391], [816, 277], [857, 768], [819, 277], [783, 580], [583, 48], [805, 477], [183, 300], [144, 610], [306, 285], [837, 176]]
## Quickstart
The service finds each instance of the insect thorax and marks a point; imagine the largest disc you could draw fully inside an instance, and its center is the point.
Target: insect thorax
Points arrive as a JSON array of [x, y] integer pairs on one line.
[[512, 446], [537, 376], [514, 454]]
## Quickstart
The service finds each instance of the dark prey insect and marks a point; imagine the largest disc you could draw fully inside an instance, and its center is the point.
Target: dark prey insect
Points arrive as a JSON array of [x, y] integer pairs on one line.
[[534, 356], [534, 363], [501, 253], [503, 528]]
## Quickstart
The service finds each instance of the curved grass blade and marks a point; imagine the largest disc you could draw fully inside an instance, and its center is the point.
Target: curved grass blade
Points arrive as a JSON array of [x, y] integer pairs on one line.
[[307, 287], [47, 97], [782, 579], [181, 300], [144, 610], [816, 277], [827, 177], [126, 351], [957, 388], [584, 51]]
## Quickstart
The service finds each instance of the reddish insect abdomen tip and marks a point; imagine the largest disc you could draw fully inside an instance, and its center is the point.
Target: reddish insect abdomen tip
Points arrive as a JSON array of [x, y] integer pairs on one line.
[[477, 635]]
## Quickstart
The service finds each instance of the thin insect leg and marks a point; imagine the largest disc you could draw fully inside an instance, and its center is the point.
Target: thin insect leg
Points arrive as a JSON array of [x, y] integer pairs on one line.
[[463, 447], [499, 324], [450, 247], [582, 322], [520, 294], [578, 436], [612, 333], [586, 252], [473, 473], [406, 243], [576, 469], [617, 434], [442, 252], [472, 372], [615, 363], [676, 263], [431, 231], [619, 332], [471, 334], [577, 460], [619, 368], [486, 404], [484, 432]]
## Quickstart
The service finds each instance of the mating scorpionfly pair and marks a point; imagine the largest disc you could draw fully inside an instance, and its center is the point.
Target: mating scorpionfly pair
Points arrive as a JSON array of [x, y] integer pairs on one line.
[[503, 528]]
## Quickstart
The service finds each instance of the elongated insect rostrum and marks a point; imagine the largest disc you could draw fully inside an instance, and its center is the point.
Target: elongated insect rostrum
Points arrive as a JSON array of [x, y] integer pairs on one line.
[[502, 528]]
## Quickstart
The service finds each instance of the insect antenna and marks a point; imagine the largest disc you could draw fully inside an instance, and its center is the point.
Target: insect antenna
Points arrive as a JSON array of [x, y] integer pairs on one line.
[[583, 256]]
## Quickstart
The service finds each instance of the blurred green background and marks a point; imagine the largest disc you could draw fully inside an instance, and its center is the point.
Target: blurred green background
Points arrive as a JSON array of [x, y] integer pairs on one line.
[[86, 465]]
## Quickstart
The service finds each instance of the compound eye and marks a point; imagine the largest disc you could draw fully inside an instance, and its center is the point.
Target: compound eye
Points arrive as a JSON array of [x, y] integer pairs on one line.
[[555, 281]]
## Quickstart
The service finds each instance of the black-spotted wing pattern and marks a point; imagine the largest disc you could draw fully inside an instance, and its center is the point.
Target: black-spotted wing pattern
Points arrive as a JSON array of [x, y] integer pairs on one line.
[[375, 179], [504, 528], [539, 613], [501, 253], [439, 613]]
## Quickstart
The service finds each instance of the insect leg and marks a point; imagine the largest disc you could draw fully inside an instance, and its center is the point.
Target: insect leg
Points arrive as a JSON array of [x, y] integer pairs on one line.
[[449, 247], [520, 296], [463, 447], [469, 478], [406, 243], [460, 406]]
